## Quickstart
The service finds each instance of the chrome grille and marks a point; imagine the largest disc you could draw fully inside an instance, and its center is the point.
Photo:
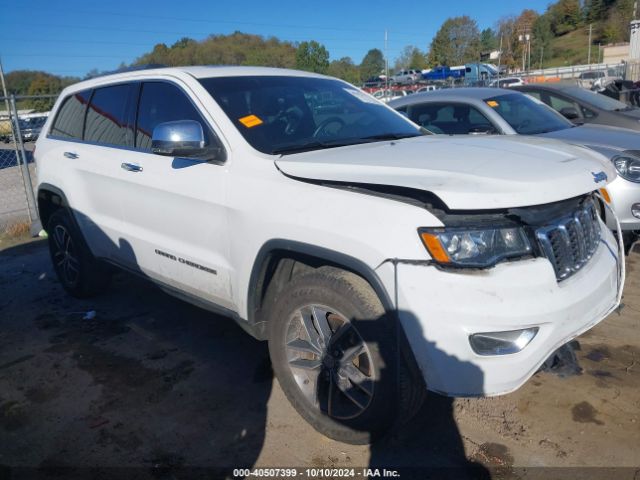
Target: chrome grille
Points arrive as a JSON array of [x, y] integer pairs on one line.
[[570, 242]]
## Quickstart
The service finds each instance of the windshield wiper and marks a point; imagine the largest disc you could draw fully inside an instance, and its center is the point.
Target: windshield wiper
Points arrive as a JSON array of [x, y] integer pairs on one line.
[[309, 146], [391, 136]]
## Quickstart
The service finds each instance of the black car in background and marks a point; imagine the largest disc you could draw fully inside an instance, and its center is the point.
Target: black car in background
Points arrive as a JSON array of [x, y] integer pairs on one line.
[[584, 106]]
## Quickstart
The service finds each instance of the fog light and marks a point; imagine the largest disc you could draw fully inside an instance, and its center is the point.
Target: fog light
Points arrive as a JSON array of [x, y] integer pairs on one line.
[[502, 343], [635, 210]]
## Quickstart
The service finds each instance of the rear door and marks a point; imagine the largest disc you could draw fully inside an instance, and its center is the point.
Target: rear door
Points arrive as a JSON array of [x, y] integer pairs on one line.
[[174, 208], [93, 125]]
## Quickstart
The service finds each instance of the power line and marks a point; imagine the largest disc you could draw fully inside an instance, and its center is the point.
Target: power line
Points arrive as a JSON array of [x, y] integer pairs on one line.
[[222, 22]]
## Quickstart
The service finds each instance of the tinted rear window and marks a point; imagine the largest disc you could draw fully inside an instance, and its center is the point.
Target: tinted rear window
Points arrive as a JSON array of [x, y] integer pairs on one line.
[[107, 121], [70, 118]]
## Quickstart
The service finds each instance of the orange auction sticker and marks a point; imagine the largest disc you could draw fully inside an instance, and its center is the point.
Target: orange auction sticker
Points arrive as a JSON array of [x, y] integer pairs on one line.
[[250, 121], [492, 103]]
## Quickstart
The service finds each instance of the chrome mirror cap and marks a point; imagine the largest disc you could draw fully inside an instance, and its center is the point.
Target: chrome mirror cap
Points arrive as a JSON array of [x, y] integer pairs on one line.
[[183, 138]]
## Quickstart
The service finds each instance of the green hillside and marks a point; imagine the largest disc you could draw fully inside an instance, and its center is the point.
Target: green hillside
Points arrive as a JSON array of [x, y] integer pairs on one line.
[[569, 49]]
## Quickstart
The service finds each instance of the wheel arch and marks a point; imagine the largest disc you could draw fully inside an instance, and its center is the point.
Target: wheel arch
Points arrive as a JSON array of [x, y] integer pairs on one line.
[[49, 199], [271, 256]]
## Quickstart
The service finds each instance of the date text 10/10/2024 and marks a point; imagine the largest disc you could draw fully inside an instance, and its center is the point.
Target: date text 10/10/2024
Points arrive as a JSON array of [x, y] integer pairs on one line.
[[315, 473]]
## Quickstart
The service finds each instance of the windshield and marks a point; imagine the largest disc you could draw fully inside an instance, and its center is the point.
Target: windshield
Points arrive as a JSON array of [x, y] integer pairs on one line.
[[596, 99], [280, 114], [526, 115]]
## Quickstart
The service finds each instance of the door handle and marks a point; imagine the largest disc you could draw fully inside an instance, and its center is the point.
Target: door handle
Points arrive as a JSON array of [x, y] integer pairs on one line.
[[131, 167], [71, 155]]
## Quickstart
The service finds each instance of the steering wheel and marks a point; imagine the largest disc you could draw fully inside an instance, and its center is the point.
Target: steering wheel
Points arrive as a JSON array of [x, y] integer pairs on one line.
[[321, 130], [292, 118]]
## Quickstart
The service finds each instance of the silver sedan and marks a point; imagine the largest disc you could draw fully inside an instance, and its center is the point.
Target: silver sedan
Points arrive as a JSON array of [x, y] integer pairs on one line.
[[476, 111]]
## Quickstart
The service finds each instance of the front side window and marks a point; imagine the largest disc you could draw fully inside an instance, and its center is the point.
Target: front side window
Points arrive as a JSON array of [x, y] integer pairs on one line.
[[107, 118], [282, 114], [450, 119], [558, 103], [162, 102], [70, 119], [526, 115]]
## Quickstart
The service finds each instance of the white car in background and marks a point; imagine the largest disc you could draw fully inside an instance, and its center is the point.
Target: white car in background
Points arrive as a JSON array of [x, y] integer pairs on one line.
[[374, 259], [388, 95], [507, 82]]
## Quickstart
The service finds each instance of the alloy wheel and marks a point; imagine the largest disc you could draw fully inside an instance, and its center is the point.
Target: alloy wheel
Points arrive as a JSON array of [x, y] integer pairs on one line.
[[64, 255], [330, 362]]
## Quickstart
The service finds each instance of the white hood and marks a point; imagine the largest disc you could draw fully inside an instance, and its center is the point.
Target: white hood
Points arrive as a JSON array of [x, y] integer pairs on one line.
[[465, 172]]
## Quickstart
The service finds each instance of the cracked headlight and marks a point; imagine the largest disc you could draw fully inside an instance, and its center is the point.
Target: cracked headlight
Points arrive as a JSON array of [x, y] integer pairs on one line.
[[628, 167], [480, 248]]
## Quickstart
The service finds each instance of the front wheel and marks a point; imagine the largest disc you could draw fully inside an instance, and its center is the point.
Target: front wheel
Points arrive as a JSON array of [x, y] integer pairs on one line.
[[334, 352]]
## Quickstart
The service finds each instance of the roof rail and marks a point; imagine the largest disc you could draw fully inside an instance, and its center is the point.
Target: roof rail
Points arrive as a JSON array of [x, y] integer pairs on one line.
[[134, 68]]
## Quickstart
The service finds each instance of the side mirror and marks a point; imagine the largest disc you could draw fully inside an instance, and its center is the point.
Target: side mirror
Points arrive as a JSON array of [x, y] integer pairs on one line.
[[569, 113], [183, 138]]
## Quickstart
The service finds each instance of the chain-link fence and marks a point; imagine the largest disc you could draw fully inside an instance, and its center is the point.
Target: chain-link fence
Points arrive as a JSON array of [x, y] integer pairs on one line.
[[20, 126]]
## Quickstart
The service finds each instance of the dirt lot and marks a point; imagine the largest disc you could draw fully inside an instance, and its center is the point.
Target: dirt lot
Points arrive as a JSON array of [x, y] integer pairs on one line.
[[156, 385]]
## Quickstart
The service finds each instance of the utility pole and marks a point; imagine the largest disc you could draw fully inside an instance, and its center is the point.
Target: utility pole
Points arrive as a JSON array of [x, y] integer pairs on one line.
[[541, 55], [386, 61], [499, 61], [4, 89], [590, 30]]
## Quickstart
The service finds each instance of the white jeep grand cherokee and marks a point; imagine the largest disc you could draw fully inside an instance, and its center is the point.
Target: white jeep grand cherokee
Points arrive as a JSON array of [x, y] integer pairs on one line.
[[376, 260]]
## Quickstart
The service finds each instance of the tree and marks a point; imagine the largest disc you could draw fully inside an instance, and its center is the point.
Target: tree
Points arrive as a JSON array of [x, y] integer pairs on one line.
[[457, 42], [344, 69], [411, 57], [565, 16], [372, 64], [234, 49], [312, 56], [541, 39], [488, 40], [43, 84]]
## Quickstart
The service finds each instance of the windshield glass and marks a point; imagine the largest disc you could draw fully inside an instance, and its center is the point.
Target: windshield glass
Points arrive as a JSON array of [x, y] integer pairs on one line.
[[526, 115], [596, 99], [279, 114]]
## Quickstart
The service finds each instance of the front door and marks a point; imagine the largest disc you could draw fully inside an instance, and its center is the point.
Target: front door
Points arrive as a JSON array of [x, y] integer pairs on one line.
[[175, 209]]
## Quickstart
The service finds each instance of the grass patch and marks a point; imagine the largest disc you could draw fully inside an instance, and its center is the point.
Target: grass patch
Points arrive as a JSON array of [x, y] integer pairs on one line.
[[19, 229], [569, 49]]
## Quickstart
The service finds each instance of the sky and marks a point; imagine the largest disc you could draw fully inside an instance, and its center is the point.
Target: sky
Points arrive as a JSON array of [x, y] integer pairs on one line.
[[71, 37]]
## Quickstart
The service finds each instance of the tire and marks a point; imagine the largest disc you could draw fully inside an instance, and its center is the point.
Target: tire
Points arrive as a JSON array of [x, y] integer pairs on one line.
[[344, 383], [80, 274]]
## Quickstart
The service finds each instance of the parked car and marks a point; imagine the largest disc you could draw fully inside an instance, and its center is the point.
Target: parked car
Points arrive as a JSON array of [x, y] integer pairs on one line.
[[30, 127], [405, 77], [374, 82], [583, 106], [501, 111], [388, 95], [507, 82], [427, 88], [593, 78], [443, 73], [372, 259]]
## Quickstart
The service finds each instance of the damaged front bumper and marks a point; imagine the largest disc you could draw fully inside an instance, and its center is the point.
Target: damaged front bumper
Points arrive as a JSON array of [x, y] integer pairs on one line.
[[439, 311]]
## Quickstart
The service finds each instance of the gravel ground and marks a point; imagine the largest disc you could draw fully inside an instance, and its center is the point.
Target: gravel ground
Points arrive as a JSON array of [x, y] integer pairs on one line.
[[153, 386]]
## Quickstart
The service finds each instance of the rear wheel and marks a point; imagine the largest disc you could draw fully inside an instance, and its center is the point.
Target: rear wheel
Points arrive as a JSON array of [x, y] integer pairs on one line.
[[79, 272], [334, 352]]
